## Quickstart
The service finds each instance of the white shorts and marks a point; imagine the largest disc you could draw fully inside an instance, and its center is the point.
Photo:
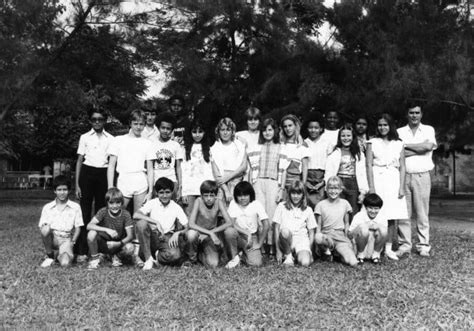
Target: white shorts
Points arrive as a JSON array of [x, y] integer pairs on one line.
[[133, 183], [300, 243]]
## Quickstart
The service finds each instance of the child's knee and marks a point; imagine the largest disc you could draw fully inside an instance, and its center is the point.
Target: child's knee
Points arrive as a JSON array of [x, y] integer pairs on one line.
[[141, 226], [91, 236], [191, 235], [65, 260], [304, 258], [127, 249], [363, 231], [211, 261], [285, 234], [170, 256], [230, 233], [380, 233]]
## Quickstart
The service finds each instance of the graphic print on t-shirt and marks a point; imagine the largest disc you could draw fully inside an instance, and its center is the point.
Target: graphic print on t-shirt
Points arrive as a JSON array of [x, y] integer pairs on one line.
[[164, 159]]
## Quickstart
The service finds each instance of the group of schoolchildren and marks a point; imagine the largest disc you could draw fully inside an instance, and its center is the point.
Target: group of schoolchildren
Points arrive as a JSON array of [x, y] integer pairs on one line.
[[262, 191]]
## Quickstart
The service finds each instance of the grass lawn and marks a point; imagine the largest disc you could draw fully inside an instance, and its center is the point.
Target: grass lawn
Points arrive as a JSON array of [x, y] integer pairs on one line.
[[413, 293]]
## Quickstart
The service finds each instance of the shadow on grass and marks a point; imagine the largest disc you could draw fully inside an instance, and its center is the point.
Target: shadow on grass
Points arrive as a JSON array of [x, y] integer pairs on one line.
[[412, 293]]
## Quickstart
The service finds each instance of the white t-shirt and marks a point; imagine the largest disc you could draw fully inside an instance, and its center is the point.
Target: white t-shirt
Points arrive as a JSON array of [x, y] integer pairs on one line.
[[295, 154], [165, 216], [164, 160], [131, 152], [195, 171], [319, 151], [228, 157], [295, 220], [332, 214], [249, 139], [330, 136], [151, 134], [94, 148], [248, 217], [362, 218]]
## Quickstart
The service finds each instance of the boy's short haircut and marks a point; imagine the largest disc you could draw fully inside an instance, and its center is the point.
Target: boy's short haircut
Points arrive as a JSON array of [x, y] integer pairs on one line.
[[114, 195], [60, 181], [314, 116], [166, 117], [176, 97], [137, 115], [373, 200], [335, 180], [244, 188], [209, 186], [91, 110], [164, 183]]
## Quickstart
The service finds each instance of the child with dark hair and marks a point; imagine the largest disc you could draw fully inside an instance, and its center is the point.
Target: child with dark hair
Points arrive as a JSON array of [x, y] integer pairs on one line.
[[168, 154], [313, 128], [360, 126], [156, 227], [348, 163], [196, 166], [251, 224], [91, 172], [205, 237], [111, 231], [294, 227], [176, 104], [331, 126], [60, 224], [369, 229], [386, 174]]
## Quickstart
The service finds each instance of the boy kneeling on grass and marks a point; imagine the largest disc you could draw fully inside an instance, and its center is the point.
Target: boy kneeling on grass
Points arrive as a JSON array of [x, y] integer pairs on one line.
[[205, 237], [111, 231], [156, 227], [332, 215], [60, 224], [369, 229]]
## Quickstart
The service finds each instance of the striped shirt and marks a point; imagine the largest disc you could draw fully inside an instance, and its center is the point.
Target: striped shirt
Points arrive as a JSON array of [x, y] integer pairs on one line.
[[267, 161]]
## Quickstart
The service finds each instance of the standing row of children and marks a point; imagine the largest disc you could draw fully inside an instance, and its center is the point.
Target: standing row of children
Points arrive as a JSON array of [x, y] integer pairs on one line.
[[286, 177]]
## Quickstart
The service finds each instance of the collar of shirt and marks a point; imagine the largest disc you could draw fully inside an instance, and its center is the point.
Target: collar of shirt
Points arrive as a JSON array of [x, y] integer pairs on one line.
[[104, 133], [54, 204]]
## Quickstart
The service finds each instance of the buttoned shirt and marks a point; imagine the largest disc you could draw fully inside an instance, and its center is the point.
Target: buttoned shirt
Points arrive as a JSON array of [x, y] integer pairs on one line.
[[61, 221], [94, 148], [319, 151], [419, 162]]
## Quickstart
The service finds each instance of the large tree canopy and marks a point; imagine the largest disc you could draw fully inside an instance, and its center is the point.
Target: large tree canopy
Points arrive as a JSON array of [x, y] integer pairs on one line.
[[225, 55]]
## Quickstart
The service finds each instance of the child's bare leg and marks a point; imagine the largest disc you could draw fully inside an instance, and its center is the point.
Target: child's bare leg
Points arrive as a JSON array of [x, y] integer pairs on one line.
[[65, 255], [47, 236], [388, 245], [347, 254], [361, 234], [285, 241], [138, 201], [380, 238], [126, 201]]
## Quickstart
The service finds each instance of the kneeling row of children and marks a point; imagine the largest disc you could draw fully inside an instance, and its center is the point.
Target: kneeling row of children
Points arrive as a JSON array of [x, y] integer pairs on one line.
[[214, 234]]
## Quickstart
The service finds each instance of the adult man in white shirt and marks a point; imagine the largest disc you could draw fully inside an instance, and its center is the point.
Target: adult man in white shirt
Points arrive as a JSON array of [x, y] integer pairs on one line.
[[91, 173], [419, 141]]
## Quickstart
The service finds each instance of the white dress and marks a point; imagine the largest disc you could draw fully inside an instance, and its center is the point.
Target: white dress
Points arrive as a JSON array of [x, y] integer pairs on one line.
[[386, 170]]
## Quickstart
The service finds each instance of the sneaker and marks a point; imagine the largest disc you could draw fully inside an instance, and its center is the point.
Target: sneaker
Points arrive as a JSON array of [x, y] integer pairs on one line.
[[116, 262], [233, 263], [360, 261], [401, 254], [137, 262], [81, 259], [376, 260], [93, 264], [148, 265], [48, 262], [289, 261], [424, 253], [327, 255], [391, 255]]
